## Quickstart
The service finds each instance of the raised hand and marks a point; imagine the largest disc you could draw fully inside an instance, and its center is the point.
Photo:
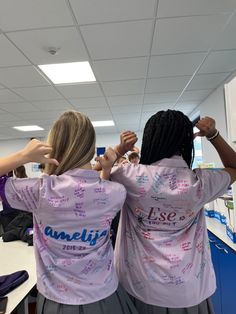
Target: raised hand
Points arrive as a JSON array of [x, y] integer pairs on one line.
[[35, 151], [206, 126], [108, 160], [127, 141]]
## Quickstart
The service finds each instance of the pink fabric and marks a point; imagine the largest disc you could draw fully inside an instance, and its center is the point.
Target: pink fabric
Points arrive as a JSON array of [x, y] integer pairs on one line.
[[72, 216], [162, 252]]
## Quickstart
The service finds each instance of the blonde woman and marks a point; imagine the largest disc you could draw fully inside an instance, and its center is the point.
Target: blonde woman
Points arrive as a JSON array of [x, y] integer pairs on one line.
[[72, 209]]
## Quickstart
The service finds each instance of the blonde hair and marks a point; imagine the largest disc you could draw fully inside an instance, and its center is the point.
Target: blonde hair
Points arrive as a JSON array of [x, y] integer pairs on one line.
[[72, 138]]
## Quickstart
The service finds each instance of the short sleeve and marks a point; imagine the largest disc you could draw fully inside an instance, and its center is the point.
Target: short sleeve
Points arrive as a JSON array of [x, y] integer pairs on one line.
[[212, 183], [122, 174], [21, 193]]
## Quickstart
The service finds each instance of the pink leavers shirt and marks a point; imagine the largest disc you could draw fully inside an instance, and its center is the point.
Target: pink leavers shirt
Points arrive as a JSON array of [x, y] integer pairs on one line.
[[162, 253], [72, 217]]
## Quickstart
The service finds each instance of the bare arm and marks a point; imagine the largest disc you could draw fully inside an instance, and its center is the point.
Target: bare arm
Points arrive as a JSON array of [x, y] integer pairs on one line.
[[34, 151], [225, 151]]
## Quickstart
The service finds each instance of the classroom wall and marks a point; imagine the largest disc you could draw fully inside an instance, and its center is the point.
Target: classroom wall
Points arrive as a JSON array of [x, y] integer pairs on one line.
[[214, 106], [106, 140]]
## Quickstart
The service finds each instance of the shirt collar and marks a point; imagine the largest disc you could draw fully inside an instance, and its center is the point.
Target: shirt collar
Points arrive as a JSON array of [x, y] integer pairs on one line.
[[173, 162], [85, 173]]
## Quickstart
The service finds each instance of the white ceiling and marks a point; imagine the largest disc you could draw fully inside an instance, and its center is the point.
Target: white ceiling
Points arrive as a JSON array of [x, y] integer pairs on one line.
[[146, 56]]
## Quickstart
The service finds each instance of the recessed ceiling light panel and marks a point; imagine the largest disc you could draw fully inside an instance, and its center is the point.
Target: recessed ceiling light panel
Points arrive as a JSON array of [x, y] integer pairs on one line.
[[103, 123], [26, 128], [68, 73]]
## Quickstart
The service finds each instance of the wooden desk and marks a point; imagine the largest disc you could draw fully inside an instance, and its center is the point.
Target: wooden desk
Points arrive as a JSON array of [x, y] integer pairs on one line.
[[15, 256]]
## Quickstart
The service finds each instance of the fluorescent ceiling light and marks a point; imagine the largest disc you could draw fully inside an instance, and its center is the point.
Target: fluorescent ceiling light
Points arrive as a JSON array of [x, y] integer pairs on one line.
[[28, 128], [65, 73], [103, 123]]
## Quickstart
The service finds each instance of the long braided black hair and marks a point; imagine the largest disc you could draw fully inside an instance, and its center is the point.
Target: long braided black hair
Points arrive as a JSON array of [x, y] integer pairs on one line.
[[167, 133]]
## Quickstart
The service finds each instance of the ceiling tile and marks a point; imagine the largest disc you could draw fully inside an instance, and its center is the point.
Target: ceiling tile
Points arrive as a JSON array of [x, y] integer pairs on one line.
[[129, 109], [128, 118], [118, 40], [80, 90], [157, 107], [187, 34], [96, 111], [59, 105], [26, 76], [38, 93], [174, 65], [40, 115], [8, 96], [8, 117], [169, 8], [10, 55], [195, 95], [36, 43], [123, 87], [99, 117], [18, 107], [220, 61], [93, 11], [91, 102], [120, 69], [186, 107], [157, 98], [227, 40], [29, 14], [166, 84], [125, 100], [207, 81]]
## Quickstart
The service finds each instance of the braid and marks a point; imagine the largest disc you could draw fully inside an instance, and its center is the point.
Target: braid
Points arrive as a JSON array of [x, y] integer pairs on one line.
[[165, 134]]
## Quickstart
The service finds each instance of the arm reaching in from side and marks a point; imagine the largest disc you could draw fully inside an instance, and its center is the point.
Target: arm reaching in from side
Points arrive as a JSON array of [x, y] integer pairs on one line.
[[226, 153], [34, 151]]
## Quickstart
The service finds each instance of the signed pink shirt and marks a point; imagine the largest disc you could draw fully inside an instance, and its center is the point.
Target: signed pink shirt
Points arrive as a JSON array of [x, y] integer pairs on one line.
[[72, 217], [162, 251]]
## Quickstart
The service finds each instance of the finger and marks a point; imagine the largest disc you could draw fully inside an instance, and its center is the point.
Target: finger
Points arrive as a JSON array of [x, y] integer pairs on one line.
[[50, 161], [45, 150], [98, 159], [196, 134], [131, 135]]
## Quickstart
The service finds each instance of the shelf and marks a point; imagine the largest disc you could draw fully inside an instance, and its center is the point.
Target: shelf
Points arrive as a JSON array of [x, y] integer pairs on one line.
[[219, 230]]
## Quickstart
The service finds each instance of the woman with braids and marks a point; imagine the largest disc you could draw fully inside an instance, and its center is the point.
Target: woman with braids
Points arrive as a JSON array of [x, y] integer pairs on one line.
[[162, 253]]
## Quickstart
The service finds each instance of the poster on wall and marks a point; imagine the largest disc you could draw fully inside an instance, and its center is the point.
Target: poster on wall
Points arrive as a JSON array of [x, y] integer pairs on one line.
[[101, 151]]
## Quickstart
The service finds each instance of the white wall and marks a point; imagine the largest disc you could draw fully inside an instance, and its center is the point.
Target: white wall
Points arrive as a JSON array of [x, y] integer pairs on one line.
[[106, 140], [214, 106]]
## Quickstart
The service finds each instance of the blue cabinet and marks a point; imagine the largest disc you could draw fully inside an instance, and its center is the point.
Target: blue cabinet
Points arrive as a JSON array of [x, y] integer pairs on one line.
[[216, 298], [224, 261]]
